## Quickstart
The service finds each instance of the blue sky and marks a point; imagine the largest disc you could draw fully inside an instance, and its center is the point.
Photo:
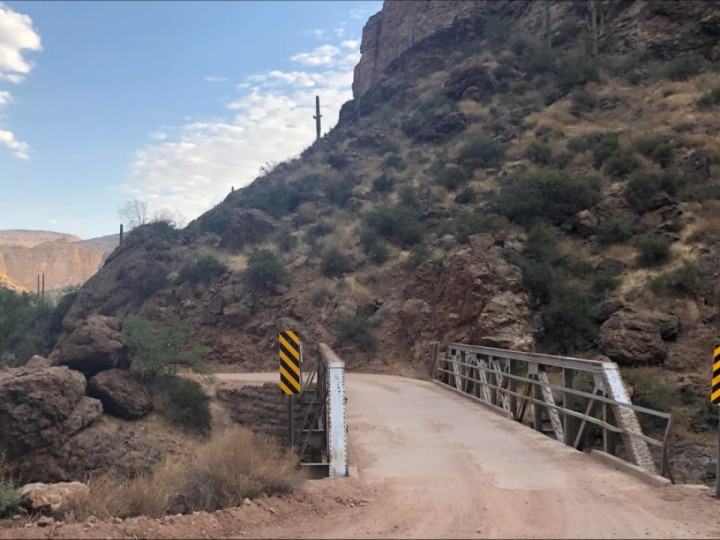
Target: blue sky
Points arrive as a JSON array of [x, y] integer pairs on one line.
[[169, 102]]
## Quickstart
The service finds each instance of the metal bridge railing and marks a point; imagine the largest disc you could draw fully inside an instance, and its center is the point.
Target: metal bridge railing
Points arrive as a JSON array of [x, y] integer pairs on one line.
[[512, 380], [322, 402]]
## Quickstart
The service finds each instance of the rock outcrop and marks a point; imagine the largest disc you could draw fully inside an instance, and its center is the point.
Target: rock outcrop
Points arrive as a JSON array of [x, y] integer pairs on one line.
[[96, 345], [120, 393], [247, 226], [48, 498], [630, 338]]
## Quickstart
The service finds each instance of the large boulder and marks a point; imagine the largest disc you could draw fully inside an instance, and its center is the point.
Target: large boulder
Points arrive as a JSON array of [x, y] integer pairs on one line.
[[631, 338], [247, 226], [48, 498], [441, 127], [469, 75], [121, 394], [40, 408], [95, 345]]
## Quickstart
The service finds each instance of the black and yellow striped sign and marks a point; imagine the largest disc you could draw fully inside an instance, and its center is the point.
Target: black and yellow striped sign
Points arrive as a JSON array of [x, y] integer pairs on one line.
[[715, 392], [289, 362]]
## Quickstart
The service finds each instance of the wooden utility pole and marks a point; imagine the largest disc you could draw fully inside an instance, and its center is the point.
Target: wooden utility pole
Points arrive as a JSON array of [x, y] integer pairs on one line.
[[317, 117]]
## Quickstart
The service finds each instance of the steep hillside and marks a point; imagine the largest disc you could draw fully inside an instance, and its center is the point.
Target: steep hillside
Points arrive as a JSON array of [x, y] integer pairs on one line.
[[509, 173], [25, 238]]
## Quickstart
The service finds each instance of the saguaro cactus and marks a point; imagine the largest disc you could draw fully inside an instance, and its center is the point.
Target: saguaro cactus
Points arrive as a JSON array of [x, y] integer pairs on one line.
[[595, 22]]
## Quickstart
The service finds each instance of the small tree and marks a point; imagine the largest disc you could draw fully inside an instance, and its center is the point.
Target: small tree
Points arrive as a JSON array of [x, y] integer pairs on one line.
[[134, 213], [264, 271]]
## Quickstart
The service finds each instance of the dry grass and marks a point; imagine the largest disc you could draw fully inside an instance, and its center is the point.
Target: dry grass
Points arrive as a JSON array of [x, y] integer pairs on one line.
[[236, 464]]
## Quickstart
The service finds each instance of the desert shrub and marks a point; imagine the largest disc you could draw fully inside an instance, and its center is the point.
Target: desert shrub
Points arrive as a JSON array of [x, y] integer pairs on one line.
[[468, 223], [339, 192], [561, 160], [220, 473], [605, 148], [335, 263], [395, 161], [574, 72], [452, 177], [318, 230], [338, 161], [373, 247], [682, 67], [503, 72], [204, 270], [568, 319], [683, 281], [604, 282], [621, 163], [582, 102], [275, 198], [614, 230], [419, 254], [10, 499], [153, 279], [642, 185], [466, 195], [264, 271], [160, 348], [650, 391], [216, 221], [188, 406], [412, 125], [356, 330], [564, 32], [519, 45], [481, 152], [321, 295], [653, 250], [550, 194], [709, 99], [582, 143], [539, 60], [383, 184], [397, 223], [286, 242], [496, 30], [539, 153], [660, 149], [388, 146]]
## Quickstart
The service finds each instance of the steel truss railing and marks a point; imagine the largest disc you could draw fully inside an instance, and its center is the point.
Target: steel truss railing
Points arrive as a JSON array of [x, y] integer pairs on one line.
[[514, 380]]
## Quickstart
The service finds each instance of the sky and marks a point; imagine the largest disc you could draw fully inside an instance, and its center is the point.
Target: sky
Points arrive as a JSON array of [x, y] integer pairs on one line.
[[168, 102]]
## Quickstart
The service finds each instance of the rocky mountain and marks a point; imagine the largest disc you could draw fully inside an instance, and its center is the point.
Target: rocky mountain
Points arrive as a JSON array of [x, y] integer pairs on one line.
[[64, 259], [533, 175]]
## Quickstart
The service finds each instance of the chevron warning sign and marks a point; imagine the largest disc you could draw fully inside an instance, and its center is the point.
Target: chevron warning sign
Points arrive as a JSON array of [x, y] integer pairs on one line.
[[715, 392], [289, 350]]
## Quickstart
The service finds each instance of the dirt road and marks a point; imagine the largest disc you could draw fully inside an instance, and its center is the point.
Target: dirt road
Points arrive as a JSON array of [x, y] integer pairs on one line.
[[434, 464]]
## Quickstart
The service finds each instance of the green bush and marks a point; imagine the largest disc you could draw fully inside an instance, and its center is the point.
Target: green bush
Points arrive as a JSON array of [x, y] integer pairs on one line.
[[397, 223], [539, 60], [621, 163], [550, 194], [660, 149], [413, 124], [682, 67], [356, 330], [604, 282], [709, 99], [561, 160], [216, 221], [10, 499], [651, 392], [419, 254], [574, 72], [614, 230], [466, 195], [334, 263], [338, 161], [264, 271], [153, 279], [583, 102], [159, 348], [452, 177], [642, 185], [564, 32], [373, 247], [383, 183], [503, 72], [653, 250], [340, 191], [203, 271], [582, 143], [496, 30], [318, 230], [519, 46], [481, 152], [568, 319], [468, 223], [388, 146], [605, 148], [395, 161], [275, 198], [286, 241], [539, 153], [683, 281], [188, 406]]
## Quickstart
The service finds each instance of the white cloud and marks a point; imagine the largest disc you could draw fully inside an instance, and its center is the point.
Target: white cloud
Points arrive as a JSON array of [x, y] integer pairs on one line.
[[270, 121], [212, 78], [19, 148], [16, 36], [321, 56], [340, 32], [350, 44], [316, 32]]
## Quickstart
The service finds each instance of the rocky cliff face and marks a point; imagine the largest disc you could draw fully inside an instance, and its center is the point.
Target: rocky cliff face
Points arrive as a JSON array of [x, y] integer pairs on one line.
[[662, 28]]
